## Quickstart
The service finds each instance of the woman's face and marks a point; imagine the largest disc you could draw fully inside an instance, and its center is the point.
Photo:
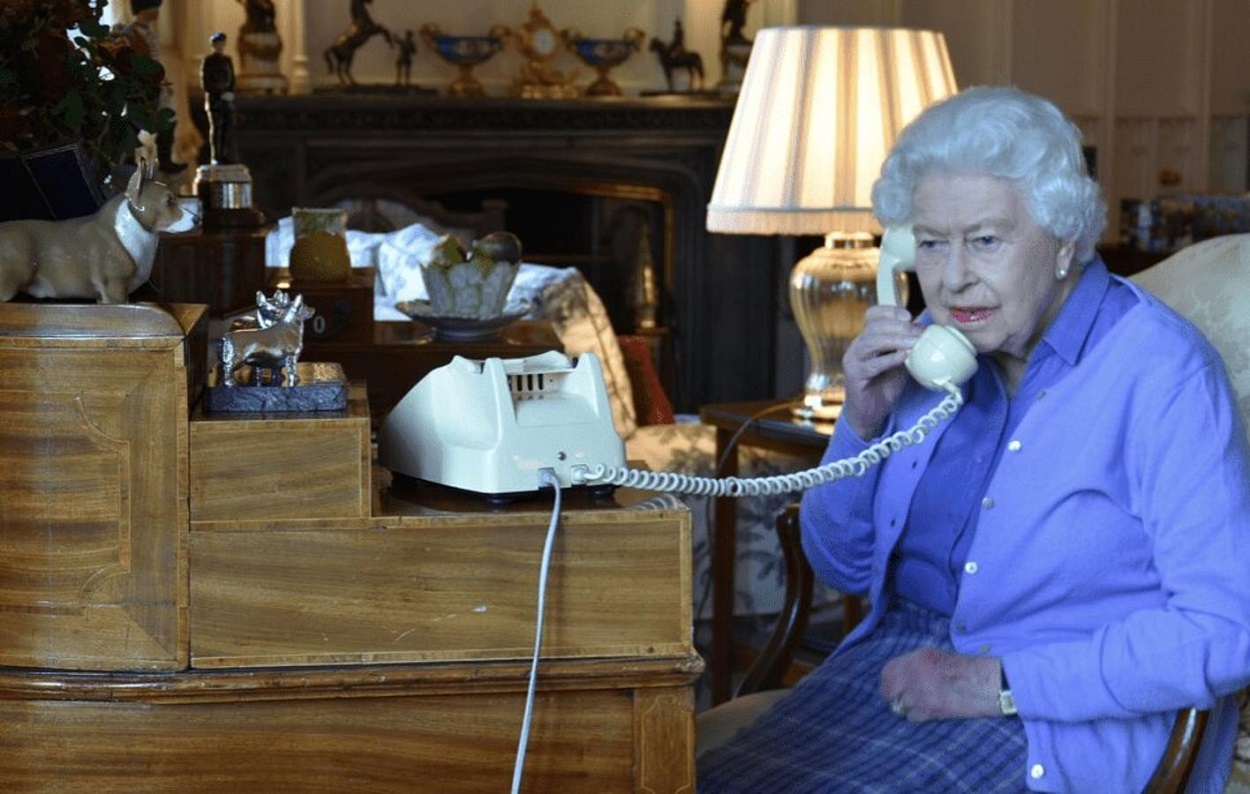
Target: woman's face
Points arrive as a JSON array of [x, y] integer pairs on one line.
[[984, 266]]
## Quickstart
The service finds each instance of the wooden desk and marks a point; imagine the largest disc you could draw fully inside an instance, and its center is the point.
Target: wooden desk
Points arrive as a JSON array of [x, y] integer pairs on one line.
[[173, 623], [390, 655], [769, 425]]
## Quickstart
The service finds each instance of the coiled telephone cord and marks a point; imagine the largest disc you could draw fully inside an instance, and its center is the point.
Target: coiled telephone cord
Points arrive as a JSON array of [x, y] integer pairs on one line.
[[857, 466]]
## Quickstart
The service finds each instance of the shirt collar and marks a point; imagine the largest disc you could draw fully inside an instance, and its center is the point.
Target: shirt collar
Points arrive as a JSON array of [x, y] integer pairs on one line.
[[1070, 329]]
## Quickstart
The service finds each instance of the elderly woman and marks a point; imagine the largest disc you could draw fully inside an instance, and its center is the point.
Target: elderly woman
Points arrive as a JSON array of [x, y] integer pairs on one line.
[[1063, 565]]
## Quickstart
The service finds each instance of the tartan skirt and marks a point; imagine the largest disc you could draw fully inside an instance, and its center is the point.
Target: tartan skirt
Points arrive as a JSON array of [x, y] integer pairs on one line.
[[836, 733]]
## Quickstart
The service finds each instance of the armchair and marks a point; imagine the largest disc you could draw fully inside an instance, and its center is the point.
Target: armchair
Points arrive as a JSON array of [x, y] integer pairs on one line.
[[1209, 283]]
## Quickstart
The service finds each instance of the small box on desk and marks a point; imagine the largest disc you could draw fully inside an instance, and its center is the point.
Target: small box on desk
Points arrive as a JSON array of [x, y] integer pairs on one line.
[[222, 270], [246, 467], [344, 308]]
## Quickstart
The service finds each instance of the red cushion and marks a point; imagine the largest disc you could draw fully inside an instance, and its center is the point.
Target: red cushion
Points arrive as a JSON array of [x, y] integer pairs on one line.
[[650, 400]]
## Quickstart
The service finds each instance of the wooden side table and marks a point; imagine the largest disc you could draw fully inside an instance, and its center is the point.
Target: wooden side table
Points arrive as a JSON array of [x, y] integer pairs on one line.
[[768, 425]]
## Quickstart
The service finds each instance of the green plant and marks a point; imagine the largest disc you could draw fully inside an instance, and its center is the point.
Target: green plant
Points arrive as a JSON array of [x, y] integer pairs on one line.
[[65, 77]]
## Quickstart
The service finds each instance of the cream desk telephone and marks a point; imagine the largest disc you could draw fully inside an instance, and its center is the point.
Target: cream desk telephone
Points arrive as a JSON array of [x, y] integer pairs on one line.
[[493, 426]]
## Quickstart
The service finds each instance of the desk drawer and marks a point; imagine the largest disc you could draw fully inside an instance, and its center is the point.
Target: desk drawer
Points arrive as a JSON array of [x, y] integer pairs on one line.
[[439, 588], [605, 726], [292, 466]]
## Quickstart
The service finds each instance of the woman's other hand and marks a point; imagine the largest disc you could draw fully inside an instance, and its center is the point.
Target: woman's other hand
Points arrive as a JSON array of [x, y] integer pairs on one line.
[[873, 367], [931, 684]]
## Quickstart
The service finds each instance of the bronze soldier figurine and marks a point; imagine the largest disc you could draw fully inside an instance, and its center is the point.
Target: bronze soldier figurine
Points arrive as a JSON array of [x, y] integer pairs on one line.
[[217, 79]]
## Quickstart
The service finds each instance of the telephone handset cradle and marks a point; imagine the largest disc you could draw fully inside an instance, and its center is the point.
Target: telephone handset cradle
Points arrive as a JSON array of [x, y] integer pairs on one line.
[[942, 355]]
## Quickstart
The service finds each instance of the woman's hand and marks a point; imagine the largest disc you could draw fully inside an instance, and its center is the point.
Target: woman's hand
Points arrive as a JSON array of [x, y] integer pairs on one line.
[[873, 367], [930, 684]]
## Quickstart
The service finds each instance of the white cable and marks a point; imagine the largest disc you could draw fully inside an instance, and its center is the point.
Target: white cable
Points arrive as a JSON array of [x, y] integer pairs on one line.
[[671, 482], [547, 479]]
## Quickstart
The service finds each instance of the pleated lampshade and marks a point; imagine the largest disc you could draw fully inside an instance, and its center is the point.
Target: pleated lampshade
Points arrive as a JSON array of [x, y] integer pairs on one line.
[[818, 110]]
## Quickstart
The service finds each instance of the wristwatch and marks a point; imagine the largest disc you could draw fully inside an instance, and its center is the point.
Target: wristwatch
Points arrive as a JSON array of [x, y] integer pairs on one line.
[[1006, 701]]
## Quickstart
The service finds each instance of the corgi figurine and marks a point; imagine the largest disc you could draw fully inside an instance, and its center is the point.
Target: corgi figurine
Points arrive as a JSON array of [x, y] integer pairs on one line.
[[106, 255]]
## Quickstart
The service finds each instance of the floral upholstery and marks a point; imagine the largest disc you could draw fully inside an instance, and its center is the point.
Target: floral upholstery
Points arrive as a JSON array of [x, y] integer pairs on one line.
[[1209, 283]]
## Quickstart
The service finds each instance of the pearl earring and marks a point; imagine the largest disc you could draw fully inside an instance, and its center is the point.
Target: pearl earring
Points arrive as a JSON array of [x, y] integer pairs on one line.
[[1062, 273]]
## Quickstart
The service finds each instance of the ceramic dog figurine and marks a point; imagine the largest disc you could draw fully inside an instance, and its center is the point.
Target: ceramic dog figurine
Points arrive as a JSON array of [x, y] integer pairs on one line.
[[105, 256]]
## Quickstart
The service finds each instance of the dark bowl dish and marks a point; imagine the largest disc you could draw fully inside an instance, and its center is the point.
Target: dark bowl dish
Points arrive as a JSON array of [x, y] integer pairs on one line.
[[604, 52], [466, 50]]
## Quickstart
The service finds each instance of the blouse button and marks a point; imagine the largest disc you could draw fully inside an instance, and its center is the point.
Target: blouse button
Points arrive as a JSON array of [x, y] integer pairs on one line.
[[970, 567], [1036, 771], [1014, 446], [987, 502]]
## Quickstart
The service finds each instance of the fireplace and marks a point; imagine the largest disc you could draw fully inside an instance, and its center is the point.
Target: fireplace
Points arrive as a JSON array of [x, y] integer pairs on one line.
[[585, 182]]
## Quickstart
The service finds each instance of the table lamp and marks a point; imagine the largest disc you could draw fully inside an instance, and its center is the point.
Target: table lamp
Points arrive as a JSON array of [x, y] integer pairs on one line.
[[818, 111]]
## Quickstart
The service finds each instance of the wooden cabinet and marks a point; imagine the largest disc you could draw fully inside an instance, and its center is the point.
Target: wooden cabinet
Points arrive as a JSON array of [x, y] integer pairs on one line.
[[93, 485], [213, 603]]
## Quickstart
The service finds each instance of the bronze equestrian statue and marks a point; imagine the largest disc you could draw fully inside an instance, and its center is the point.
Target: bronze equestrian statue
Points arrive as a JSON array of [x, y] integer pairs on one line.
[[674, 58], [339, 55]]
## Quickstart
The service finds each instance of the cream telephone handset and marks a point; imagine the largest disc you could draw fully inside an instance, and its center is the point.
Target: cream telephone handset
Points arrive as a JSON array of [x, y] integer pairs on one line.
[[942, 355]]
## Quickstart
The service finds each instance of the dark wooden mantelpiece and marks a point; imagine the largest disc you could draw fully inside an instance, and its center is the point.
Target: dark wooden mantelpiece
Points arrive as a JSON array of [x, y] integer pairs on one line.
[[397, 112], [318, 149]]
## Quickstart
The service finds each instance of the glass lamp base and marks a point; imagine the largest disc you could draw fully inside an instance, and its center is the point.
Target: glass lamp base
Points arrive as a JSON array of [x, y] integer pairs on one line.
[[830, 290]]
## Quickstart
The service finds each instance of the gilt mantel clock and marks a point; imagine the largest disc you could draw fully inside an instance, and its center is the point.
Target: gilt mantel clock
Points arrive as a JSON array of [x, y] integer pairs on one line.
[[540, 42]]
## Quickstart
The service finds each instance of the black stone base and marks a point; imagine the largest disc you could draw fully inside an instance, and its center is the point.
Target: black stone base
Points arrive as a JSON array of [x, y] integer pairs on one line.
[[322, 387]]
